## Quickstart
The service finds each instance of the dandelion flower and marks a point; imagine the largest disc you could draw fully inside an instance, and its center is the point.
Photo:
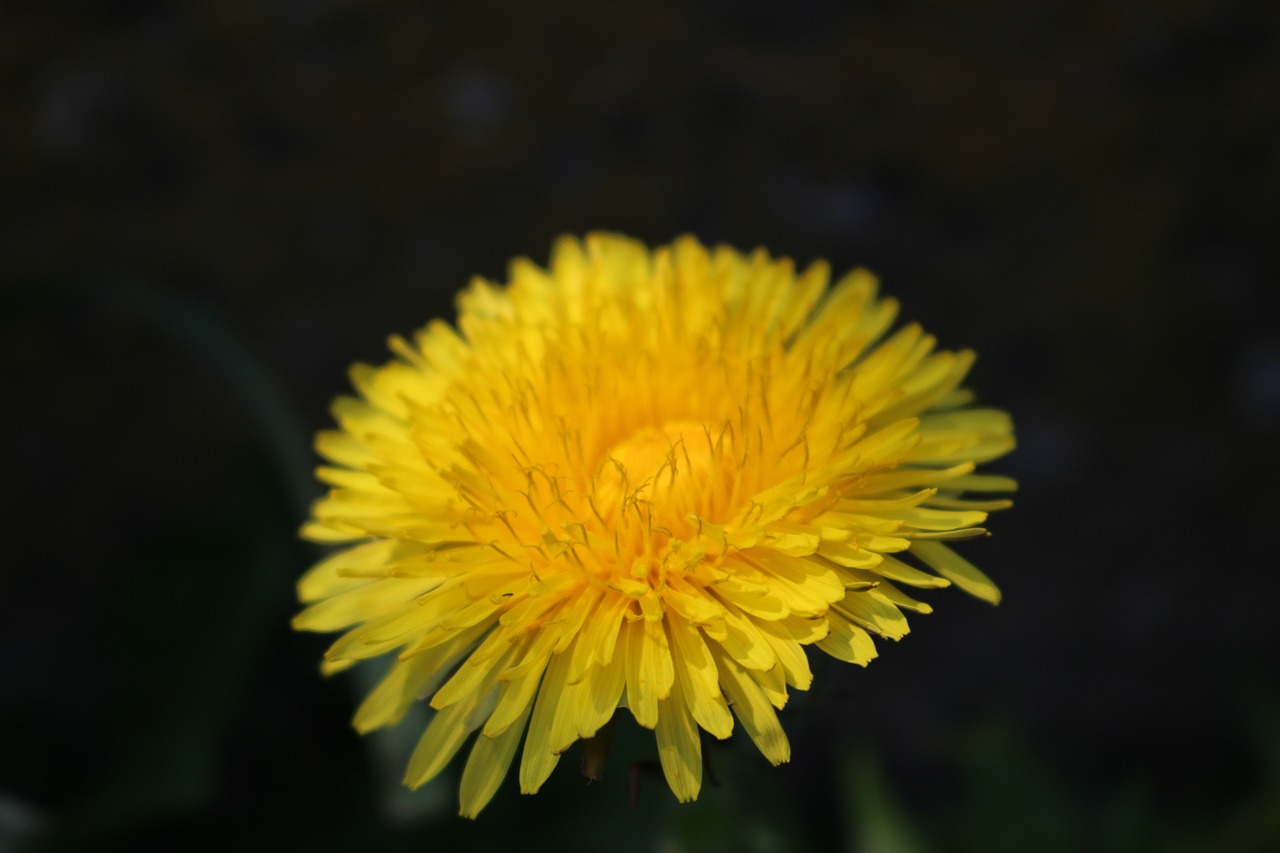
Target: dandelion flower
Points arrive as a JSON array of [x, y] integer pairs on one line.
[[645, 480]]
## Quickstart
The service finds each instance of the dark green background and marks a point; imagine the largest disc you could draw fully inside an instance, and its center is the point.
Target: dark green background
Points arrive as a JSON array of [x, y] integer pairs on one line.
[[211, 209]]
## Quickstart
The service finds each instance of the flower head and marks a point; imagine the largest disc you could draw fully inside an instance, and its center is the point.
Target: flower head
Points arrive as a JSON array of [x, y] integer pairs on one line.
[[646, 480]]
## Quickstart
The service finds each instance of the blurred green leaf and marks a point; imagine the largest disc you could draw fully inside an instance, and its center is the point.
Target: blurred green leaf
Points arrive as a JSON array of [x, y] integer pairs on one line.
[[183, 650], [1013, 805], [200, 331], [877, 822]]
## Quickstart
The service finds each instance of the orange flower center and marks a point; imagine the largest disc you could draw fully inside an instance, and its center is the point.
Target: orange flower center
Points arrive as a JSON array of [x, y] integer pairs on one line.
[[671, 471]]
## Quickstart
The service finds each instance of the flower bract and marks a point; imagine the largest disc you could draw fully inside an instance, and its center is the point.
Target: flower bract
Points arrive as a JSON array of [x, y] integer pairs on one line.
[[652, 480]]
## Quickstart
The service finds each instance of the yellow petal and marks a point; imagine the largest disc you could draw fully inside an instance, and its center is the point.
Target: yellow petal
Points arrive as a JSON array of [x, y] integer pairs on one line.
[[343, 448], [847, 642], [679, 746], [773, 683], [365, 602], [795, 664], [744, 643], [991, 421], [753, 710], [539, 759], [984, 483], [923, 518], [600, 634], [806, 576], [942, 448], [901, 600], [444, 736], [514, 702], [487, 766], [911, 477], [323, 580], [588, 704], [692, 603], [406, 680], [763, 604], [896, 570], [650, 672], [956, 569], [803, 629], [466, 681], [874, 612], [699, 678], [575, 615]]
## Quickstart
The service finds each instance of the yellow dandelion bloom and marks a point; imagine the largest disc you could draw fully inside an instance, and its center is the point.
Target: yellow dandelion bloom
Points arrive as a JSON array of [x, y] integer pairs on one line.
[[641, 480]]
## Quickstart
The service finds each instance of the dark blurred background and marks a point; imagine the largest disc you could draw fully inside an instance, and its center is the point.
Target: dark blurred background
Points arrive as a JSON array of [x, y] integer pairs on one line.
[[211, 209]]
